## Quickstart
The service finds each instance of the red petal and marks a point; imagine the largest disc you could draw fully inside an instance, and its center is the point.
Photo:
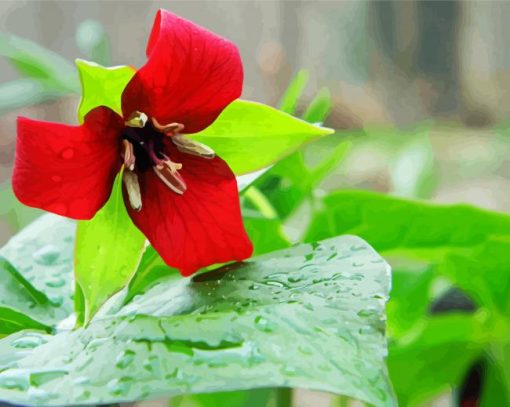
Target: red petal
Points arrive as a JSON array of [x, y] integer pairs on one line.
[[67, 170], [191, 75], [199, 228]]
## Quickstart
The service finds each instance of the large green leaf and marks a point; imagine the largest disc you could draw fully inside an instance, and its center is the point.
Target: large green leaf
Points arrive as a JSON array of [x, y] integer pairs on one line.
[[37, 62], [40, 260], [250, 136], [108, 250], [102, 86], [470, 244], [310, 316]]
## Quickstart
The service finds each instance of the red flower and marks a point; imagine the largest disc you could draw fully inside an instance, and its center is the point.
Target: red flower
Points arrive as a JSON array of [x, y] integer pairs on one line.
[[182, 197]]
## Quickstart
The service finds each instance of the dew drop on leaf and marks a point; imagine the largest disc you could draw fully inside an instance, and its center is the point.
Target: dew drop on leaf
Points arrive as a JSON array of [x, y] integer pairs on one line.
[[125, 358], [46, 255]]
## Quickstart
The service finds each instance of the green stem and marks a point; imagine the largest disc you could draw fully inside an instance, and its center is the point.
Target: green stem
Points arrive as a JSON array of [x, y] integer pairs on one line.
[[283, 397]]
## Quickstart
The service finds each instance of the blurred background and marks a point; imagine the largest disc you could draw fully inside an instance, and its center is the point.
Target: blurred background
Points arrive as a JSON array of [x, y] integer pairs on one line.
[[420, 88]]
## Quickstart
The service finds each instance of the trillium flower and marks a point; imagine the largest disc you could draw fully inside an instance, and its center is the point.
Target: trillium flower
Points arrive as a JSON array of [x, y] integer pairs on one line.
[[177, 191]]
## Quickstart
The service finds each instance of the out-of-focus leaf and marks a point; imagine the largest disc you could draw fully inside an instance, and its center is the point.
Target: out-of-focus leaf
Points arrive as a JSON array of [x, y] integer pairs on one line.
[[413, 171], [410, 299], [290, 181], [247, 398], [24, 92], [102, 86], [290, 98], [310, 316], [436, 359], [496, 381], [266, 234], [108, 250], [93, 41], [42, 262], [250, 136], [319, 108], [37, 62]]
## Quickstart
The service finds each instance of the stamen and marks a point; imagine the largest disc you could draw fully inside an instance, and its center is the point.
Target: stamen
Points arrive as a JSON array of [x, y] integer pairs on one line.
[[171, 177], [133, 190], [128, 155], [167, 129], [137, 119], [193, 147]]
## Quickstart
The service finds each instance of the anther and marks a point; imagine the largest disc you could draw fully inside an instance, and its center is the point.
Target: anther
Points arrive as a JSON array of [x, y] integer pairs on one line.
[[128, 155], [193, 147], [167, 129], [133, 190], [137, 119], [169, 174]]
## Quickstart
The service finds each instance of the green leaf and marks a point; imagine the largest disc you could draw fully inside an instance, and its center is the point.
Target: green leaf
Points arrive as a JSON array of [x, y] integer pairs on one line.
[[102, 86], [310, 316], [37, 62], [496, 383], [25, 92], [294, 91], [19, 305], [470, 244], [251, 398], [40, 259], [93, 41], [413, 171], [319, 108], [436, 359], [291, 181], [250, 136], [108, 250]]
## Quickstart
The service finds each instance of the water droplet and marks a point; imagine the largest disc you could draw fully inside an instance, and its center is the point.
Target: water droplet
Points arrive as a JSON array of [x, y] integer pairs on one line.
[[357, 248], [289, 371], [67, 154], [305, 350], [366, 313], [355, 264], [308, 256], [263, 324], [56, 301], [15, 379], [120, 387], [56, 283], [56, 178], [253, 287], [296, 278], [125, 358], [40, 378], [28, 342], [39, 395], [46, 255], [274, 283]]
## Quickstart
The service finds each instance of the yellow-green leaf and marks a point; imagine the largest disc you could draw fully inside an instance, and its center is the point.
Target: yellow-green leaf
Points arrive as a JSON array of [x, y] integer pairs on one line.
[[250, 136], [102, 86]]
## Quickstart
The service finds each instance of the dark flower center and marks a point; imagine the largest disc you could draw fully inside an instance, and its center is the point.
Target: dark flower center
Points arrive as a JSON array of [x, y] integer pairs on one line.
[[147, 145]]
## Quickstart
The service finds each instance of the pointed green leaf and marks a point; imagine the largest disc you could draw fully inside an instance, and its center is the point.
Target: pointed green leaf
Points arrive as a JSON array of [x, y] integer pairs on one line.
[[250, 136], [290, 98], [108, 250], [102, 86], [319, 108], [310, 316]]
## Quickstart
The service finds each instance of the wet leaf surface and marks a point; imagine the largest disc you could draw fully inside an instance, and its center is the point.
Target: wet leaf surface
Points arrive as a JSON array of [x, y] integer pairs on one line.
[[309, 316]]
